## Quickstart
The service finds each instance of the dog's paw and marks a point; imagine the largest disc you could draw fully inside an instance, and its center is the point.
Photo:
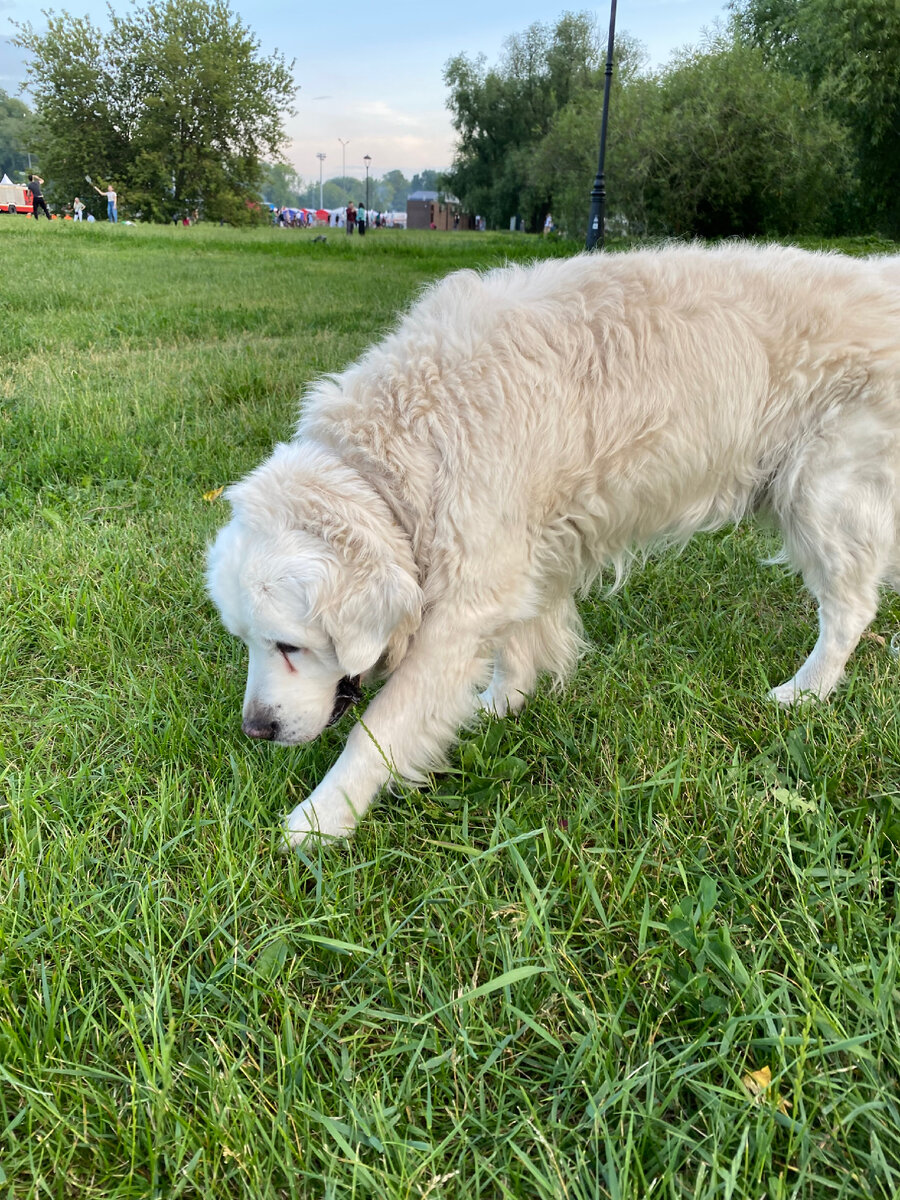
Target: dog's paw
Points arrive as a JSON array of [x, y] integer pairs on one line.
[[499, 704], [788, 694], [495, 706], [311, 820]]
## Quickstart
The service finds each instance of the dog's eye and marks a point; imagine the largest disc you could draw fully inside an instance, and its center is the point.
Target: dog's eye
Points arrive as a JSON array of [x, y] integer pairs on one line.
[[284, 648]]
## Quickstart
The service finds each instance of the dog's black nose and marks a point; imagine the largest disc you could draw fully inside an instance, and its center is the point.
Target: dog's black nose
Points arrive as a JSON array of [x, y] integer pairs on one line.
[[348, 693], [261, 725]]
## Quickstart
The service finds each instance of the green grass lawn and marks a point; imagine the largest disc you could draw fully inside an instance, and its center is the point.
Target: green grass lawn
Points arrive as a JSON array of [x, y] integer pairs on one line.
[[548, 975]]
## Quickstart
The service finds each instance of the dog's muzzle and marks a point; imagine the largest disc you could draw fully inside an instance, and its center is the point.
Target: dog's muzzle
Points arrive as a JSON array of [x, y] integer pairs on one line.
[[348, 693]]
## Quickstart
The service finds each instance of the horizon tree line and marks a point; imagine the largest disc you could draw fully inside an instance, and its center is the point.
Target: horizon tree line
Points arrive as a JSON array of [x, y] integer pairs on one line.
[[784, 120]]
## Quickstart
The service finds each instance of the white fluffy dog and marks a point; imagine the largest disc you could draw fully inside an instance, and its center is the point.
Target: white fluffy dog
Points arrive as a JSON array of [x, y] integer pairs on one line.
[[446, 496]]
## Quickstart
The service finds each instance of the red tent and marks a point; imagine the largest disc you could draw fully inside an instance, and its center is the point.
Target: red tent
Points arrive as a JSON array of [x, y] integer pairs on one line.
[[322, 214]]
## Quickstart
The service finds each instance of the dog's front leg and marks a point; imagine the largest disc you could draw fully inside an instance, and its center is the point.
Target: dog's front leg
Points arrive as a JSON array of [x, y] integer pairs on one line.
[[406, 730]]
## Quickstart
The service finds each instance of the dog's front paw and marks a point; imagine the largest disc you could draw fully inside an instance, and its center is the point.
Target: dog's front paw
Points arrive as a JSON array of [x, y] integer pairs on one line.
[[494, 705], [501, 702], [318, 819], [791, 693], [338, 804]]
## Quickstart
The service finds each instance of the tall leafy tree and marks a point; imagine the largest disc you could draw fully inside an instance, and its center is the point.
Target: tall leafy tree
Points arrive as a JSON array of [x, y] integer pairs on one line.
[[393, 189], [720, 141], [17, 135], [281, 185], [716, 144], [174, 104], [562, 165], [425, 181], [849, 52], [743, 149], [500, 113]]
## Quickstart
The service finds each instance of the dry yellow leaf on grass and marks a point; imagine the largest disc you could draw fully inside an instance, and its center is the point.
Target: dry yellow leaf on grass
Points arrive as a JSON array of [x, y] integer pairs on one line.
[[214, 494], [757, 1083], [870, 636]]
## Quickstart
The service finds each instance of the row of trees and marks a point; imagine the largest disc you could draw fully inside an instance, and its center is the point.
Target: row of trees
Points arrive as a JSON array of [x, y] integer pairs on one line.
[[282, 186], [785, 120], [174, 105]]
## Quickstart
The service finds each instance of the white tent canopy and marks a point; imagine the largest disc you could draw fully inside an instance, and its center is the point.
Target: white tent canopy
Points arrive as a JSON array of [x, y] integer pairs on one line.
[[6, 181]]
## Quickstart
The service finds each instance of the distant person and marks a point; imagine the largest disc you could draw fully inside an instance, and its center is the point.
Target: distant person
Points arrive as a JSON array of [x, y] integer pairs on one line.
[[111, 201], [38, 202], [548, 225], [351, 218], [361, 219], [78, 208]]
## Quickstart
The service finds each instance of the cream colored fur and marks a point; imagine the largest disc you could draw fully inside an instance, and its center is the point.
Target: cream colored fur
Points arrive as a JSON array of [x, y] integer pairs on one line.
[[447, 495]]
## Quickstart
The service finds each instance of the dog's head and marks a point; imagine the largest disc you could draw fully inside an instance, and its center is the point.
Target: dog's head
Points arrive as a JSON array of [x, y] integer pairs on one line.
[[311, 574]]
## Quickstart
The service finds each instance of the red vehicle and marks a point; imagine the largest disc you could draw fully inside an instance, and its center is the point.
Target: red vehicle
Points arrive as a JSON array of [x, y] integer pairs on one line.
[[15, 199]]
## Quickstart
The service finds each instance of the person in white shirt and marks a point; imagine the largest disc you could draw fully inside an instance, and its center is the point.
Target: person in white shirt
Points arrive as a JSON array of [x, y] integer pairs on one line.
[[110, 193]]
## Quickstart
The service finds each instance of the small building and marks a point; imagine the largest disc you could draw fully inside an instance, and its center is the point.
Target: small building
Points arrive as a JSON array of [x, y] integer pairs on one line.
[[425, 210]]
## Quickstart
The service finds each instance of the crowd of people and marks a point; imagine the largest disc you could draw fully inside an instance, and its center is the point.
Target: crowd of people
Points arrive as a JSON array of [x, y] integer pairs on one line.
[[353, 218], [293, 218]]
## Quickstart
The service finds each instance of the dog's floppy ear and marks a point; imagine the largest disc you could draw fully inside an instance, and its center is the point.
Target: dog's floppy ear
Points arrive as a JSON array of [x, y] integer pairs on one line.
[[371, 609], [369, 600]]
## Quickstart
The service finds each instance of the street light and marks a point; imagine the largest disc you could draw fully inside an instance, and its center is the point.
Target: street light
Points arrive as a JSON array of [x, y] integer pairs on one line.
[[367, 159], [344, 145], [321, 157], [598, 191]]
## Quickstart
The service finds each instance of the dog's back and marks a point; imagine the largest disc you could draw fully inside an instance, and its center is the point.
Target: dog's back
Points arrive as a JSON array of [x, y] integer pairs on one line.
[[662, 391]]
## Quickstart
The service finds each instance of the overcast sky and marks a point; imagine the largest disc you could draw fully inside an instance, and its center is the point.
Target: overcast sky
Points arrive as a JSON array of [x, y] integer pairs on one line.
[[372, 73]]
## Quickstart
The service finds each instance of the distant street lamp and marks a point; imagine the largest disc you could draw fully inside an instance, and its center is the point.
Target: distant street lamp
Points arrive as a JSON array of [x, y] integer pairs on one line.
[[595, 231], [367, 159], [321, 157], [344, 145]]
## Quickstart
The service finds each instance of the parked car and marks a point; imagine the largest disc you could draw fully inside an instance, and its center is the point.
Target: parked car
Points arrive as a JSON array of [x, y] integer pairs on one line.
[[15, 199]]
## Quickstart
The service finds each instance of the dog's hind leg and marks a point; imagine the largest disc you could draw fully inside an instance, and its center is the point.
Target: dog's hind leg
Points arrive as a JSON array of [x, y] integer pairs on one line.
[[549, 643], [840, 536]]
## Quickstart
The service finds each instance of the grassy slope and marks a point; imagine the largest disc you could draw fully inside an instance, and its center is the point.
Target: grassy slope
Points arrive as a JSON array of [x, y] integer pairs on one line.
[[545, 977]]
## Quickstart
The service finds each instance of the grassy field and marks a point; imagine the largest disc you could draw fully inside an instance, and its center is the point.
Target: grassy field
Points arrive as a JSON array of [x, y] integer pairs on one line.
[[563, 971]]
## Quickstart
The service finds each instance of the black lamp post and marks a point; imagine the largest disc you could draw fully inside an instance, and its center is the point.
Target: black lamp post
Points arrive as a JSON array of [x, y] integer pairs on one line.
[[598, 191], [367, 159]]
